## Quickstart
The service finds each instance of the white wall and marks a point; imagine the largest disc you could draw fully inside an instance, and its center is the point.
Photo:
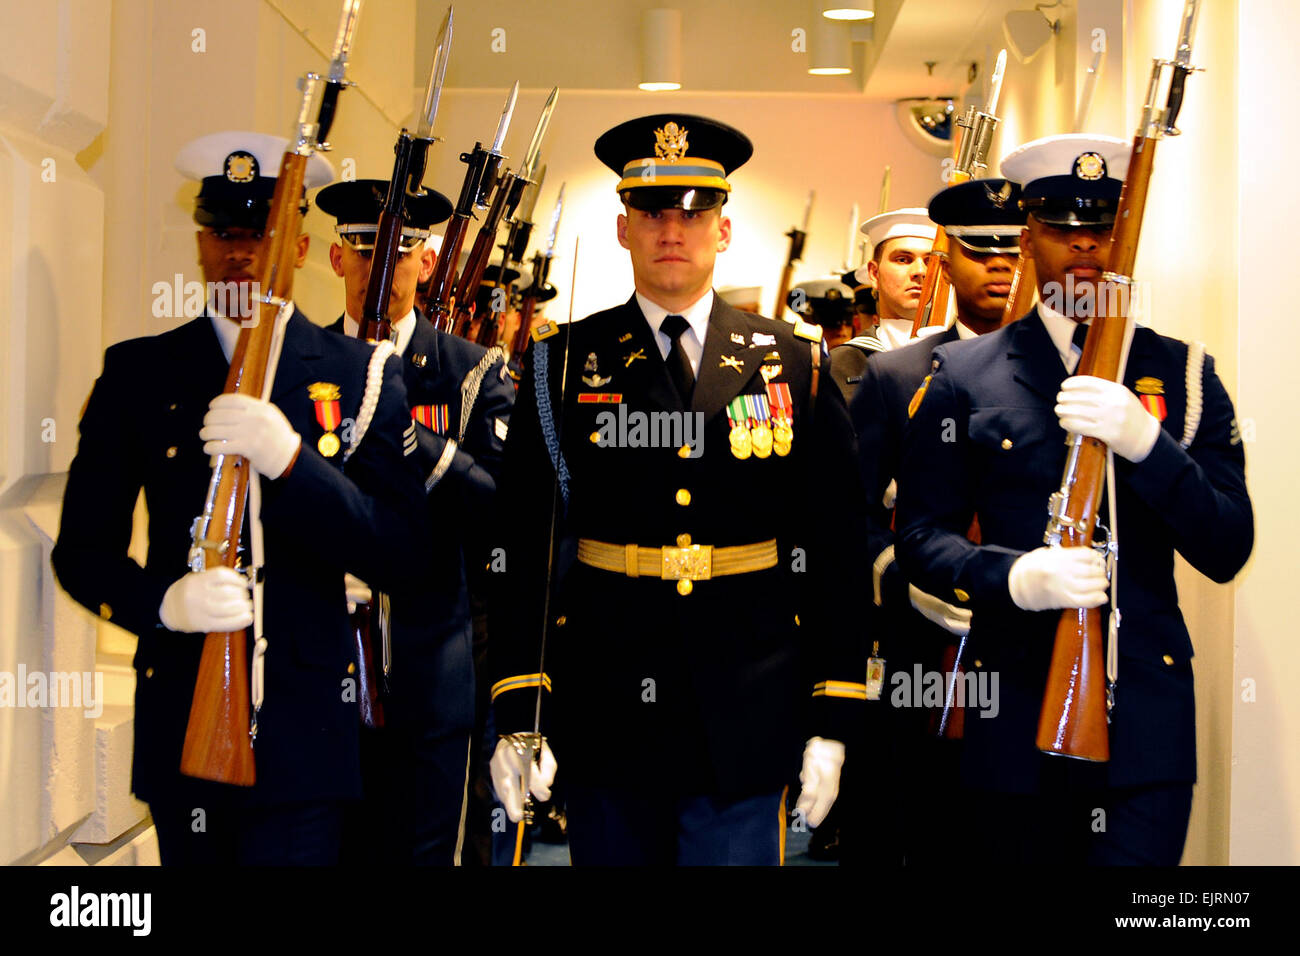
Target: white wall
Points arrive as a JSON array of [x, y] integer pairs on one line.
[[1265, 756]]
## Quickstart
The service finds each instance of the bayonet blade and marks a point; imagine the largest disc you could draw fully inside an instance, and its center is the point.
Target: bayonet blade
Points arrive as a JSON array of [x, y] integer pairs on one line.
[[884, 190], [437, 72], [1184, 55], [504, 123], [807, 210], [530, 198], [343, 41], [555, 223], [539, 132], [995, 84]]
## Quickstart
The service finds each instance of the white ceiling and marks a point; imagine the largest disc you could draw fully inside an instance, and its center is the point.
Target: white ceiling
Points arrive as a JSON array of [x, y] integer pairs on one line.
[[564, 43]]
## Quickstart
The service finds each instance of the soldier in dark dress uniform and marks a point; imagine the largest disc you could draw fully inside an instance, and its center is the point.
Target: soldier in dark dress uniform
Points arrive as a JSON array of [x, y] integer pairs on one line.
[[330, 501], [696, 644], [416, 766], [983, 220], [987, 438]]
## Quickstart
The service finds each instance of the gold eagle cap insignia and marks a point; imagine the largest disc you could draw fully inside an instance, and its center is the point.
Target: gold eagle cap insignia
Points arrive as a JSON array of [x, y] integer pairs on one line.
[[999, 197], [670, 142]]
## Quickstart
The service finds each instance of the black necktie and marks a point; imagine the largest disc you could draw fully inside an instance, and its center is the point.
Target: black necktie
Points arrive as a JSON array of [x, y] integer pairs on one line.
[[679, 366], [1080, 334]]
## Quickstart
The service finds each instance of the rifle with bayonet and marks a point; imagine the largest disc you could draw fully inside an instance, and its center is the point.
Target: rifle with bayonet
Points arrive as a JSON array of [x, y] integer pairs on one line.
[[220, 734], [509, 191], [483, 170], [797, 238], [1077, 701], [492, 325], [532, 294], [974, 137], [411, 156]]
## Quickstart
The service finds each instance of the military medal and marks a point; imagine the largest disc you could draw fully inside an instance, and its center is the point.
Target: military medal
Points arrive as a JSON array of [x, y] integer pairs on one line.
[[741, 445], [761, 432], [1151, 393], [325, 396], [782, 417], [595, 379], [433, 417]]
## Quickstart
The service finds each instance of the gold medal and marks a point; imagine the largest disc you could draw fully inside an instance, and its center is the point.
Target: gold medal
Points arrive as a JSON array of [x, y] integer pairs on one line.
[[741, 446], [782, 448], [761, 437], [783, 431], [328, 444]]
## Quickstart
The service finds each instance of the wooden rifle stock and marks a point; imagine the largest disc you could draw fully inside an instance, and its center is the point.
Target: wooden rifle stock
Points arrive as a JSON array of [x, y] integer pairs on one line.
[[797, 239], [218, 743], [1023, 285], [932, 308], [508, 192], [1074, 720], [437, 290]]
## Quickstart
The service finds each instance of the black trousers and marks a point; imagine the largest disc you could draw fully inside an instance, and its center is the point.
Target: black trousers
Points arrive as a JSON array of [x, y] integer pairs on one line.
[[211, 833], [1126, 826]]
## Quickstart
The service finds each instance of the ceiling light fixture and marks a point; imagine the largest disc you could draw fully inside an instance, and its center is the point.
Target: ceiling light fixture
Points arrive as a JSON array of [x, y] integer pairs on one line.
[[829, 49], [1028, 31], [661, 50], [846, 10]]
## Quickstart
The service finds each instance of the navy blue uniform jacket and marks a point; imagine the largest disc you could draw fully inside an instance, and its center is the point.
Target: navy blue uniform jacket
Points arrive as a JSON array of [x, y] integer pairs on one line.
[[140, 430], [432, 666], [985, 440]]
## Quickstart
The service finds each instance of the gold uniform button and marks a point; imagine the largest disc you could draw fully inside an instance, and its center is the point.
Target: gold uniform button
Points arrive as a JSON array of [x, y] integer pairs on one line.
[[684, 451], [1168, 660], [683, 497], [685, 586], [595, 437], [683, 541], [1006, 444], [978, 662], [960, 595], [105, 612], [561, 621], [352, 668], [796, 620], [148, 672], [171, 407], [171, 452]]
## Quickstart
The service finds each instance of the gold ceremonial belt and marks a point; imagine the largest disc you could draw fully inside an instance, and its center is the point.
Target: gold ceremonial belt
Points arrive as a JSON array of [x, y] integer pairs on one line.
[[683, 564]]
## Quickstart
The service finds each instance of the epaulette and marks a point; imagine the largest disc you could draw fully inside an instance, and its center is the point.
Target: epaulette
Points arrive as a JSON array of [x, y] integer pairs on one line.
[[545, 331], [806, 330]]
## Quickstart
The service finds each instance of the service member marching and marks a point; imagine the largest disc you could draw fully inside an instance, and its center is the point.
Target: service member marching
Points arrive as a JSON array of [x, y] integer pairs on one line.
[[460, 396], [987, 438], [695, 646], [330, 502], [983, 220], [900, 241]]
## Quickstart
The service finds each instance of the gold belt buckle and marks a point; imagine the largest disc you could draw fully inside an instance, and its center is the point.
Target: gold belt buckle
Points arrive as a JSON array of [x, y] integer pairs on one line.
[[684, 565]]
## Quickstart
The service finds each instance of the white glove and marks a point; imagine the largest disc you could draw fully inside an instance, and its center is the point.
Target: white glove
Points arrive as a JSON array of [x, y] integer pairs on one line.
[[891, 494], [954, 620], [207, 602], [358, 591], [507, 777], [1048, 578], [1109, 412], [820, 777], [258, 430]]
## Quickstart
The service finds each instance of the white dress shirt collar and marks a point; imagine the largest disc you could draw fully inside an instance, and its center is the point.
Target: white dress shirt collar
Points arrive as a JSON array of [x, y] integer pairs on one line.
[[1061, 329], [696, 316], [405, 327], [227, 329]]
